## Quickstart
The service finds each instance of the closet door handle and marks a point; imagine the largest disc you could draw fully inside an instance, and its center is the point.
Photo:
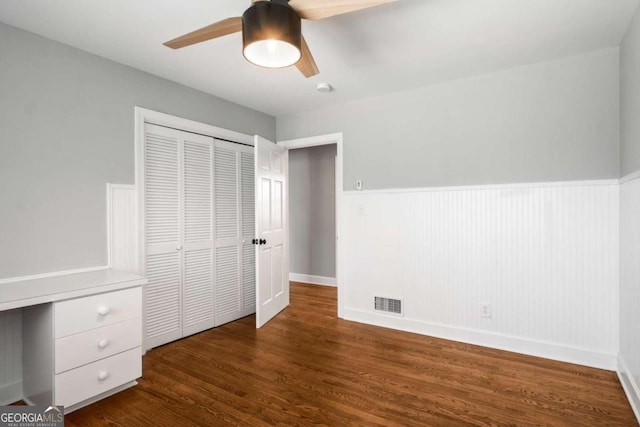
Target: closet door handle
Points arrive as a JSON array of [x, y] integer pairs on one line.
[[178, 248]]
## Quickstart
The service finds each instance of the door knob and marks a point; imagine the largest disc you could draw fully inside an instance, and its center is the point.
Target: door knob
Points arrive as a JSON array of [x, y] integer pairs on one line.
[[263, 241]]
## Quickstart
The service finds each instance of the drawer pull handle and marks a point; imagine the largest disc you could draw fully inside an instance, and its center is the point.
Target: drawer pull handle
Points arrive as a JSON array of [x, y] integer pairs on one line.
[[103, 310], [103, 375], [103, 343]]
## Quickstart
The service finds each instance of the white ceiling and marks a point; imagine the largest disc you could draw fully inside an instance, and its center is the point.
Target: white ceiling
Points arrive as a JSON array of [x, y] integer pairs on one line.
[[394, 47]]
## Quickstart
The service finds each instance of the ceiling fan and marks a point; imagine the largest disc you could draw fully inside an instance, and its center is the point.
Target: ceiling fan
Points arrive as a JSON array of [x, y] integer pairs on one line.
[[271, 30]]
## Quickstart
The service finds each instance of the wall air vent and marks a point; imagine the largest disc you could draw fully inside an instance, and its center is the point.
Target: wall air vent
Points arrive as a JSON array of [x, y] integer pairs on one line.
[[388, 305]]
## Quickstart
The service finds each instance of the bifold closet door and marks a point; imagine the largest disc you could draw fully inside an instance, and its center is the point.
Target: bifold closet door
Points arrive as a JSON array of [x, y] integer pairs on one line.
[[162, 217], [178, 197], [248, 230], [198, 283], [234, 230]]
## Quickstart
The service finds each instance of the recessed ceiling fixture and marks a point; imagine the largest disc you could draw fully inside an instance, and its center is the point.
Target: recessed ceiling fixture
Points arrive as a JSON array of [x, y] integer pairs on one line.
[[271, 30]]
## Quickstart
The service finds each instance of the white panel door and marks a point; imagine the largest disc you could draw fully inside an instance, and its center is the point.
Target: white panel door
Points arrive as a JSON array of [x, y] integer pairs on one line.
[[162, 212], [272, 229], [197, 247]]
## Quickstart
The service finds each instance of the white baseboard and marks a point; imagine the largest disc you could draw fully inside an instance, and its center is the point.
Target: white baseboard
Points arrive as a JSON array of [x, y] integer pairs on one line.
[[631, 388], [314, 280], [10, 392], [515, 344]]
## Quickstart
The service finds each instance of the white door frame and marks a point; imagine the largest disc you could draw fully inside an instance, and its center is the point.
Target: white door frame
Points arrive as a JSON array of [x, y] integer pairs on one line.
[[313, 141]]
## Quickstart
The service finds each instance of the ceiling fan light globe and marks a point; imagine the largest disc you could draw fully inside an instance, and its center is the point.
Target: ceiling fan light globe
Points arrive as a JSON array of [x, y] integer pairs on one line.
[[271, 35], [272, 53]]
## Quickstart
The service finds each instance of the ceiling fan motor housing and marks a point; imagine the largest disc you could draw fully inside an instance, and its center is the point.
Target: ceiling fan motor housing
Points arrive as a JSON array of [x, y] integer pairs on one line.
[[271, 34]]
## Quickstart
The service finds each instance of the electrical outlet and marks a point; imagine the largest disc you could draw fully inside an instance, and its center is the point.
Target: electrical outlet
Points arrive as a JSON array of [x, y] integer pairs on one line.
[[485, 310], [359, 185]]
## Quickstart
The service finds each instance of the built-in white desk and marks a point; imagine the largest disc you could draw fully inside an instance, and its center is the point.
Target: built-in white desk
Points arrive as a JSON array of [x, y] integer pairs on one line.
[[82, 335]]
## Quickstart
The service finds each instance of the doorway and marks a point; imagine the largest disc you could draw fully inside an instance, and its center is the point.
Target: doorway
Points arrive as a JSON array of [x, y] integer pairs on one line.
[[312, 215], [322, 145]]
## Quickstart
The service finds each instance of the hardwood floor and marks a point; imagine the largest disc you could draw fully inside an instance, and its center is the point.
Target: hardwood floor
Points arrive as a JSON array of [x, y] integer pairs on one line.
[[306, 367]]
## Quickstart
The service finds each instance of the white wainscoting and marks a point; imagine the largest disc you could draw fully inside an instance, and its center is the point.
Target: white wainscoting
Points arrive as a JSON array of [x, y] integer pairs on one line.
[[544, 256], [10, 356], [122, 232], [314, 280], [629, 357]]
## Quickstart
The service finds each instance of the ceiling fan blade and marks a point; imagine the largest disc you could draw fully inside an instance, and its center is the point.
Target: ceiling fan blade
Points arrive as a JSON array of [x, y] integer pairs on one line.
[[314, 9], [219, 29], [307, 65]]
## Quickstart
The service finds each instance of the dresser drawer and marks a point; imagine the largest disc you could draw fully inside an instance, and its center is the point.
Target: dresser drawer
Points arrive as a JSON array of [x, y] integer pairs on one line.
[[83, 314], [90, 380], [86, 347]]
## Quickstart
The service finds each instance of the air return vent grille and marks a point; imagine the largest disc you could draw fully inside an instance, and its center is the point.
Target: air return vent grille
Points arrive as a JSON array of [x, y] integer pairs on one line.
[[388, 305]]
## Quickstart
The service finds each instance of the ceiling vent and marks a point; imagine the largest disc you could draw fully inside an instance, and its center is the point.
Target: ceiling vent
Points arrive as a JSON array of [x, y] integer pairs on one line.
[[388, 305]]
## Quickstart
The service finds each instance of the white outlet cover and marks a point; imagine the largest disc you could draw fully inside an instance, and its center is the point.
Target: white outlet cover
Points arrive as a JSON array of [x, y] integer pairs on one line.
[[359, 185], [485, 310]]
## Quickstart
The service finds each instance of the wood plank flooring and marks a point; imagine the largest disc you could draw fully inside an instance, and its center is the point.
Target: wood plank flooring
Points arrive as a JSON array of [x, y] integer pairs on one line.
[[306, 367]]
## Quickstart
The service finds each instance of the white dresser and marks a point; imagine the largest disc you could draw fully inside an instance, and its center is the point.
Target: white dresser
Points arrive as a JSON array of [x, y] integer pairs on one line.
[[82, 335]]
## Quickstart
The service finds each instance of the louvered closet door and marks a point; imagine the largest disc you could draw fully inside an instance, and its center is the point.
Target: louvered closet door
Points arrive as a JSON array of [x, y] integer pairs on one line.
[[198, 286], [232, 239], [162, 235], [247, 190]]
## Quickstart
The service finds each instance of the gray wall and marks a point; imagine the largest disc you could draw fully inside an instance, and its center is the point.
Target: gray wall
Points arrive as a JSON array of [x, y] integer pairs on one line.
[[66, 129], [630, 99], [551, 121], [312, 220]]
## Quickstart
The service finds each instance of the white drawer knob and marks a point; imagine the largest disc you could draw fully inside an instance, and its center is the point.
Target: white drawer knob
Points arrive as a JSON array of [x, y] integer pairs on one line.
[[103, 343], [103, 375], [103, 310]]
